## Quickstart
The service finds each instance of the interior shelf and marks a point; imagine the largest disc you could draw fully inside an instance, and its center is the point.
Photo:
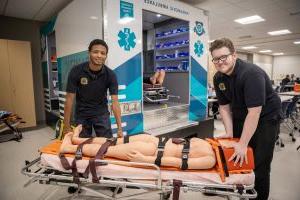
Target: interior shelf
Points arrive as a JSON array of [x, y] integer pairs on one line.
[[172, 47], [173, 59], [172, 35], [171, 51]]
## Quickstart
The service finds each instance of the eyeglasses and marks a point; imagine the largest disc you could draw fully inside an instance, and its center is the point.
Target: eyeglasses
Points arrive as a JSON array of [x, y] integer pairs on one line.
[[222, 58]]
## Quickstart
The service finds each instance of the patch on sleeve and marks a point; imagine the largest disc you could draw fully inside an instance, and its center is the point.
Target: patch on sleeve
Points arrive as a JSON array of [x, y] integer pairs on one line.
[[222, 86]]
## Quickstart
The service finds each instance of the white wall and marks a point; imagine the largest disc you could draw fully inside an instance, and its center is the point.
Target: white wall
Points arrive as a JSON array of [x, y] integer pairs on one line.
[[242, 56], [75, 30], [265, 62], [284, 65]]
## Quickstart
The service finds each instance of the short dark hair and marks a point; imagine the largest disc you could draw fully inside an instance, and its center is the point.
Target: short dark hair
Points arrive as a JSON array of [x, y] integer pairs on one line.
[[97, 42], [223, 42]]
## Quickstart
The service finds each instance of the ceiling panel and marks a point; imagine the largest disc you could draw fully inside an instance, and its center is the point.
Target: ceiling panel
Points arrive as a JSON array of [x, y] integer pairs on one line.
[[287, 3], [213, 4], [276, 13], [50, 9], [40, 10], [235, 1], [2, 6], [279, 14], [23, 9], [254, 4]]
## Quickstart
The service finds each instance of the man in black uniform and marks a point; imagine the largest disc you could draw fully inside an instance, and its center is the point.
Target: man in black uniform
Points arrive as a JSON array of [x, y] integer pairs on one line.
[[286, 80], [89, 82], [250, 110]]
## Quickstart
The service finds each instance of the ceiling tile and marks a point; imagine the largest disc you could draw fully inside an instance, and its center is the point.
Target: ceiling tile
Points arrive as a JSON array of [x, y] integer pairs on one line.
[[287, 3], [254, 4], [2, 6], [23, 9], [213, 4], [50, 9]]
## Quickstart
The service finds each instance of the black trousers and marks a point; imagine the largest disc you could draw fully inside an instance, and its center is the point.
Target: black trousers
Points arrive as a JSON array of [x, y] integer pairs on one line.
[[262, 143], [101, 125]]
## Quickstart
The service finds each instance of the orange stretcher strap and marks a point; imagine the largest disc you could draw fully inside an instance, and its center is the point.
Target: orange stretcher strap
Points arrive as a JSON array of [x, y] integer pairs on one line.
[[297, 87], [223, 154]]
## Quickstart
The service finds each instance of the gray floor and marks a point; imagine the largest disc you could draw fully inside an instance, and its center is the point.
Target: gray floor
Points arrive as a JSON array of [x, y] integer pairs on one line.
[[285, 178]]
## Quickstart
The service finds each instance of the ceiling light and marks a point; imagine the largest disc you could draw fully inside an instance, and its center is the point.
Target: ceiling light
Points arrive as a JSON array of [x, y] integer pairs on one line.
[[210, 41], [265, 51], [94, 17], [250, 20], [249, 47], [297, 42], [158, 15], [278, 54], [280, 32]]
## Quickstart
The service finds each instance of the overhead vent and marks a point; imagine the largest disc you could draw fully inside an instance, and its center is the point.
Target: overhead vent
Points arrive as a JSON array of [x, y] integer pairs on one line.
[[295, 13], [245, 37]]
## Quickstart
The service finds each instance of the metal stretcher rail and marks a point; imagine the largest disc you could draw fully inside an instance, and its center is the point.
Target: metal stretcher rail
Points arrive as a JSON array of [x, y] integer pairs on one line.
[[48, 175], [7, 128]]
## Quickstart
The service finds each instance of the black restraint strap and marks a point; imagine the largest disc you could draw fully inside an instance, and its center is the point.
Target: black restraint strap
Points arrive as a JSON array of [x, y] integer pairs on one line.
[[160, 149], [78, 156], [223, 160], [176, 188], [178, 140], [185, 155], [78, 153], [126, 139], [100, 154]]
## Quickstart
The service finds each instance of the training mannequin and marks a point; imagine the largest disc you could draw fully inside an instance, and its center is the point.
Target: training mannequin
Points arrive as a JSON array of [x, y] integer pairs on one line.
[[156, 79], [143, 148]]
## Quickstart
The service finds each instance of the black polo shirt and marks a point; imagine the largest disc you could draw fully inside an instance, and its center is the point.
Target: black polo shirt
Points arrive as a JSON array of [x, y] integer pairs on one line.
[[91, 89], [248, 86]]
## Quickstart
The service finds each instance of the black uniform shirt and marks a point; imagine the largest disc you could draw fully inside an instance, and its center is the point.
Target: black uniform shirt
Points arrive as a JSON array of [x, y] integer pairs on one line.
[[248, 86], [91, 89]]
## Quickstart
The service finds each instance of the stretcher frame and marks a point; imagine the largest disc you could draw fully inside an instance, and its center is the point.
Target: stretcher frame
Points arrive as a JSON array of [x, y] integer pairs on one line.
[[155, 91], [162, 92], [164, 188], [6, 125]]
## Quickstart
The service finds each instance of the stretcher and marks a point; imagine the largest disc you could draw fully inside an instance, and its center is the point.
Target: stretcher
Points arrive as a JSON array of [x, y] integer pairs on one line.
[[151, 179], [156, 93], [9, 127]]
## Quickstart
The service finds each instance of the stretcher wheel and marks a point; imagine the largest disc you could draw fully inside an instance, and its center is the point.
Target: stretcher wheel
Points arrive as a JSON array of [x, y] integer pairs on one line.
[[165, 196], [118, 192], [209, 194], [282, 145], [58, 129], [72, 190], [293, 139], [19, 134]]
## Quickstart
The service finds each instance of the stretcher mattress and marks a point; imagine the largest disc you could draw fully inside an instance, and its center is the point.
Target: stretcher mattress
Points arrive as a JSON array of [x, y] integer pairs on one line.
[[122, 172]]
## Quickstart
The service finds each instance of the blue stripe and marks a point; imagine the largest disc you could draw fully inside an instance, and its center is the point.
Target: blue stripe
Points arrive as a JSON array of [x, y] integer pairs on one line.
[[129, 74], [198, 92], [134, 123]]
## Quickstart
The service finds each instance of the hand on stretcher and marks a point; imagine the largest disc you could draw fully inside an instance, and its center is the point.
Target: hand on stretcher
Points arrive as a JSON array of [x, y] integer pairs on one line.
[[240, 151]]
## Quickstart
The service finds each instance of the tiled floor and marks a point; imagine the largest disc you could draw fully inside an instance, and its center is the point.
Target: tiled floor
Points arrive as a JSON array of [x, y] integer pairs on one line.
[[285, 178]]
